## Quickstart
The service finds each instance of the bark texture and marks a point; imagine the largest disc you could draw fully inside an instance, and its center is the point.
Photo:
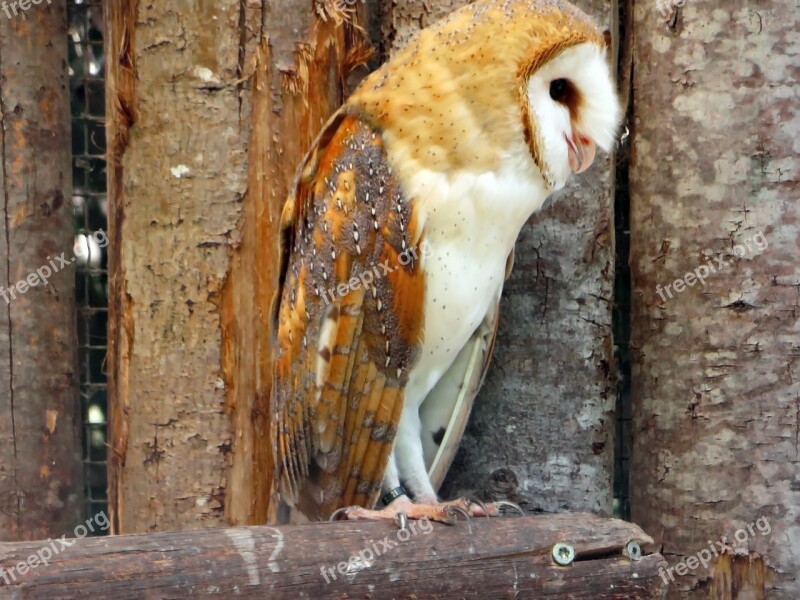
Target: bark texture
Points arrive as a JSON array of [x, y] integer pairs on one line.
[[207, 127], [41, 477], [512, 560], [714, 180], [299, 81], [400, 21], [175, 201], [541, 429]]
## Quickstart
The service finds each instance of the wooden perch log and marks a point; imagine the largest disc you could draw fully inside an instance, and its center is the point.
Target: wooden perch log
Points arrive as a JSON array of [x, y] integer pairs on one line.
[[509, 557]]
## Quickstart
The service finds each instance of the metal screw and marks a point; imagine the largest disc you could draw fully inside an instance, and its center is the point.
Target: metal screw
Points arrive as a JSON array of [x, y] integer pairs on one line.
[[634, 550], [563, 554], [400, 519]]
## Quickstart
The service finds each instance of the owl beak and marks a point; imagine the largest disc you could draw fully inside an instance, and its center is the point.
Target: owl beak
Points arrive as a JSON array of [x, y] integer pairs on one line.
[[581, 153]]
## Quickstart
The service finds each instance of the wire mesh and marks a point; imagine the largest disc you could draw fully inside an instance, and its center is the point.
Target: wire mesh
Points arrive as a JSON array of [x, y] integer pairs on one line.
[[89, 201]]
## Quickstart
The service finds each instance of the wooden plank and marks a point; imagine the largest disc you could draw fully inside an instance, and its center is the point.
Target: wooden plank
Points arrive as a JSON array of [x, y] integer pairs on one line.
[[715, 338], [486, 558], [41, 476]]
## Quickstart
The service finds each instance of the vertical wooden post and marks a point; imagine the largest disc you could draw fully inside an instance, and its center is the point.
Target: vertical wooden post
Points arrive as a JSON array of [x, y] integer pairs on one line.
[[41, 482], [298, 82], [206, 130], [715, 234], [178, 155]]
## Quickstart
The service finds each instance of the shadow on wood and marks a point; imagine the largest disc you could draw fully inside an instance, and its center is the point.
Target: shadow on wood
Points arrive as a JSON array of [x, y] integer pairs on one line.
[[509, 557]]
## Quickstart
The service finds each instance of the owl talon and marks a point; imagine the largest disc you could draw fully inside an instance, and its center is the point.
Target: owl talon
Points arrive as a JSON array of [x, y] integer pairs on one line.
[[501, 503], [453, 510], [342, 511], [483, 506]]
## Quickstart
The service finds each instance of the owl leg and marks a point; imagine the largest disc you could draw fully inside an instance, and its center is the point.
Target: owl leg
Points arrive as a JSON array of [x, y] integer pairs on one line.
[[410, 458], [407, 464]]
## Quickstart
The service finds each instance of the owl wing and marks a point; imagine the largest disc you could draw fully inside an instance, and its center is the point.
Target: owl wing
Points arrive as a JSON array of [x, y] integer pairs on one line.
[[349, 324]]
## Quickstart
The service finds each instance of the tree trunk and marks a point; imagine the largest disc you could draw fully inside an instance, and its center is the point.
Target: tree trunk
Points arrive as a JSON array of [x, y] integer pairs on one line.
[[541, 429], [41, 482], [206, 131], [715, 306]]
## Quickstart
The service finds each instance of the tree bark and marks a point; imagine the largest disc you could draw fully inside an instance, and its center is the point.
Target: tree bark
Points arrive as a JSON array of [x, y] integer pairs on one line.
[[299, 81], [41, 476], [714, 183], [504, 558], [541, 429], [206, 131]]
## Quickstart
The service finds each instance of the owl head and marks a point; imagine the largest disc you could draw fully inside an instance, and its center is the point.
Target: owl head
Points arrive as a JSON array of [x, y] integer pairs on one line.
[[569, 108], [498, 80]]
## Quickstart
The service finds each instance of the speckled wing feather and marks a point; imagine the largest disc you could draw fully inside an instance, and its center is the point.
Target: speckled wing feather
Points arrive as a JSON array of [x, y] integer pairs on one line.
[[349, 324]]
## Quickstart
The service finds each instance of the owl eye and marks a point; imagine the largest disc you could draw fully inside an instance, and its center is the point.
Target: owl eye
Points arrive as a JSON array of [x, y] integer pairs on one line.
[[559, 89]]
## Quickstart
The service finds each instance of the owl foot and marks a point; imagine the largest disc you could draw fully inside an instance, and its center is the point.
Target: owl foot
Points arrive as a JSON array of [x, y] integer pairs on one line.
[[403, 509]]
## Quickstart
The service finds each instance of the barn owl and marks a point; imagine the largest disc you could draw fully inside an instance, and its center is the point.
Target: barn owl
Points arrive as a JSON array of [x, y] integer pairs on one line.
[[397, 238]]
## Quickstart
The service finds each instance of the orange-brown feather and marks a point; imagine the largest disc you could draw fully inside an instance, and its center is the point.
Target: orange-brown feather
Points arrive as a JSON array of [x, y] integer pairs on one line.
[[348, 334], [410, 290], [378, 447]]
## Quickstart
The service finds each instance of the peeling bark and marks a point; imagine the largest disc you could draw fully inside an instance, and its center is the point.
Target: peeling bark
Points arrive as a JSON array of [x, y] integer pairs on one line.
[[298, 83], [714, 174], [207, 128], [41, 477]]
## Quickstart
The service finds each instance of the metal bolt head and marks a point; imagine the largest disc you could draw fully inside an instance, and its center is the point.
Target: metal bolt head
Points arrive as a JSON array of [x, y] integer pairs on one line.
[[634, 550], [563, 554]]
